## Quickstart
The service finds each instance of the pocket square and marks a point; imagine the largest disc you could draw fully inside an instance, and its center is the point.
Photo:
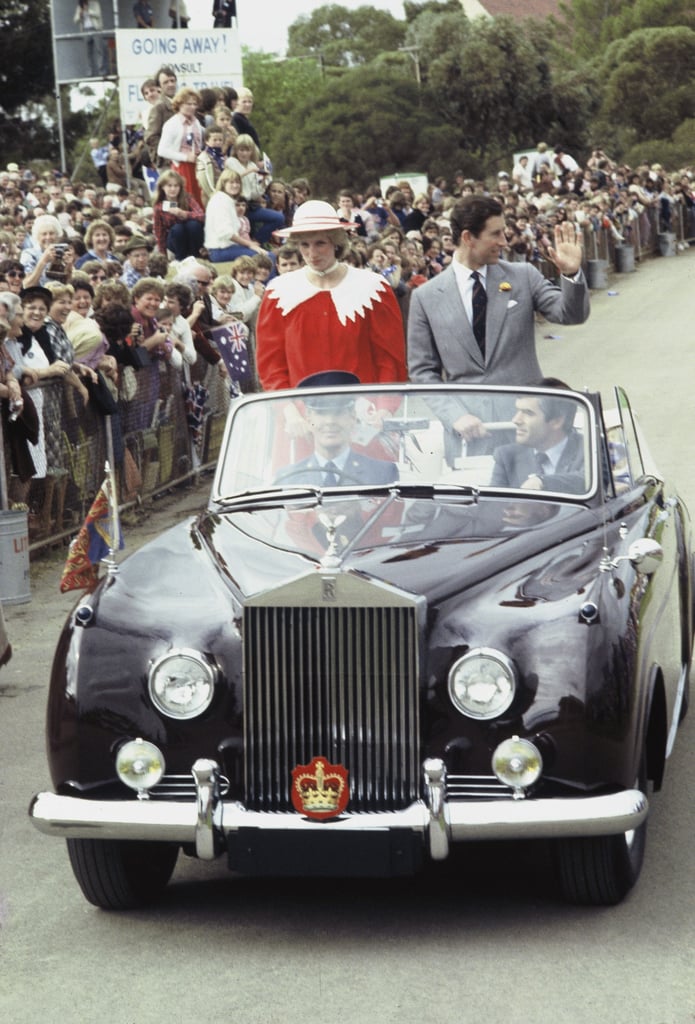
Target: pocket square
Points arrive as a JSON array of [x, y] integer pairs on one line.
[[512, 303]]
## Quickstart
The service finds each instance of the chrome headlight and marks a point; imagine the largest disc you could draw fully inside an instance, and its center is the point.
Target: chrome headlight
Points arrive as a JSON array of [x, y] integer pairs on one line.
[[482, 683], [182, 683]]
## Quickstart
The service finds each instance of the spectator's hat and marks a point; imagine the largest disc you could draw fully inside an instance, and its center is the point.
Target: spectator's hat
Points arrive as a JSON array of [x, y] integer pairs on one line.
[[502, 174], [13, 168], [314, 215], [136, 242], [37, 291], [329, 379]]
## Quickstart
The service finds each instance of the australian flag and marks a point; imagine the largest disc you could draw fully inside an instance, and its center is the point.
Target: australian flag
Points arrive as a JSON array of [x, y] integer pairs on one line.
[[231, 344]]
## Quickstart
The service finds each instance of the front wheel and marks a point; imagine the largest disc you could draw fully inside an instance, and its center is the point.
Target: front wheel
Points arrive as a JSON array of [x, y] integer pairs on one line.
[[599, 871], [121, 875]]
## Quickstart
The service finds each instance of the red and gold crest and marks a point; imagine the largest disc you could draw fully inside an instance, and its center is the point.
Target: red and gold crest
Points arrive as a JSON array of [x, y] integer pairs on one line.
[[320, 789]]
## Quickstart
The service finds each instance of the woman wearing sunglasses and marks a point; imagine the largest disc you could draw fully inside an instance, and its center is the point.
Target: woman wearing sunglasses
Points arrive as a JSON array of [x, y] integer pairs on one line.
[[11, 275]]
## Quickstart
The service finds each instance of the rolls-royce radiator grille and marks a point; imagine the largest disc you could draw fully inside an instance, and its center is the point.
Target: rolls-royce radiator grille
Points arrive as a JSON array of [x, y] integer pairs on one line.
[[337, 682]]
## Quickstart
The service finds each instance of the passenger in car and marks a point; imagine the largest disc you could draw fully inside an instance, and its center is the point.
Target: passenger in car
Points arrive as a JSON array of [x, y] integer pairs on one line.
[[331, 419], [548, 453]]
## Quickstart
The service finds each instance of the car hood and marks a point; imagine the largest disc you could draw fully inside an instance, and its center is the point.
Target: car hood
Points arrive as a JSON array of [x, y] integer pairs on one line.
[[430, 547]]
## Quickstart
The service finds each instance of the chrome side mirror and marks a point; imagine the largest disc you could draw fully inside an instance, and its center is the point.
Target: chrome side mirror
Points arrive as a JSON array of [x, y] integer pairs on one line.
[[646, 555]]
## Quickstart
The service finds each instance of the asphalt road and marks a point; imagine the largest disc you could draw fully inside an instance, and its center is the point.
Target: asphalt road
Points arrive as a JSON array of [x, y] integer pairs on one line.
[[484, 940]]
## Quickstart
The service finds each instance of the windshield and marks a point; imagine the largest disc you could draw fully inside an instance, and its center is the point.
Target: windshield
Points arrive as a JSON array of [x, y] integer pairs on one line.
[[534, 439]]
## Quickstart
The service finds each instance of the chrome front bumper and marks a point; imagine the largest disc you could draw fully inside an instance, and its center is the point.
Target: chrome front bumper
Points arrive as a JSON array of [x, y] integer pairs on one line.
[[206, 823]]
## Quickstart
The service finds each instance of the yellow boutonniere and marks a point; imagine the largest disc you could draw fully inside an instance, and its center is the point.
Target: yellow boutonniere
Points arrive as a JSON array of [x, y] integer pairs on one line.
[[505, 286]]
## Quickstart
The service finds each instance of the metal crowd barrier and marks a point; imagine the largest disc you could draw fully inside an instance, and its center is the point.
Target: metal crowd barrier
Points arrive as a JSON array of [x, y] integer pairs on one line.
[[167, 430], [646, 237]]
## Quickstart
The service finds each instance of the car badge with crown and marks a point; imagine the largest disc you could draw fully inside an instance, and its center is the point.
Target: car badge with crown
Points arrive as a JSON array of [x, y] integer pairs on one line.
[[320, 789]]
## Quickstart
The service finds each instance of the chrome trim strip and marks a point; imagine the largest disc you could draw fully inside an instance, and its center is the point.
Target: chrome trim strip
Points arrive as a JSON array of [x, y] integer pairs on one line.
[[77, 818], [675, 721]]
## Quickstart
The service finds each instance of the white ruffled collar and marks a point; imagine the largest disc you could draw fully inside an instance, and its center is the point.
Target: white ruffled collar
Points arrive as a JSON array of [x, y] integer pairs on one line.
[[352, 297]]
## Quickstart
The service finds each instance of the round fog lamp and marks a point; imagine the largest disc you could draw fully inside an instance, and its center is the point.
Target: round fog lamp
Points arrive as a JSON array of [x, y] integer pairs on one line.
[[140, 765], [517, 763]]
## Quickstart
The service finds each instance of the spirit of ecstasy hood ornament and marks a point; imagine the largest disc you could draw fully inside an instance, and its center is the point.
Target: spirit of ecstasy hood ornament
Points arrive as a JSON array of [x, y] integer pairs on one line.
[[331, 559]]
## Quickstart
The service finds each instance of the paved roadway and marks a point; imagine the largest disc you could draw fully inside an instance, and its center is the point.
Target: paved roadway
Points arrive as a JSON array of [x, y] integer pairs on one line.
[[485, 940]]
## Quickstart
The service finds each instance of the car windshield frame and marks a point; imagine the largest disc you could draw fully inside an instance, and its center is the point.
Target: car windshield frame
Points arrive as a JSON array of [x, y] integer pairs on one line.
[[417, 437]]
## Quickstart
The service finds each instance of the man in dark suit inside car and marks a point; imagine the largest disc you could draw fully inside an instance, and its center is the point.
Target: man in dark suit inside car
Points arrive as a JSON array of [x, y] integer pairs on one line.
[[331, 418], [548, 453]]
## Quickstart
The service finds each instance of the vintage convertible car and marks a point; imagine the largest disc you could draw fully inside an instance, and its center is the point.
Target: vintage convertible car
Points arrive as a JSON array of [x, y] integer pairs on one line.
[[377, 642]]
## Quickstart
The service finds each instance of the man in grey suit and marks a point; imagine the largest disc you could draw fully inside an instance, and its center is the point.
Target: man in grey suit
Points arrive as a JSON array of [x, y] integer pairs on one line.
[[548, 454], [502, 299]]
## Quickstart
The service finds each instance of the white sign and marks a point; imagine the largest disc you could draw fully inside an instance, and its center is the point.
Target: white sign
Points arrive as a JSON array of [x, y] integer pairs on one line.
[[202, 59], [416, 180]]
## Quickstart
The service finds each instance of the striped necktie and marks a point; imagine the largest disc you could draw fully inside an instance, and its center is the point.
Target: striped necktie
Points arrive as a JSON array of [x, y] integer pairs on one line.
[[479, 311]]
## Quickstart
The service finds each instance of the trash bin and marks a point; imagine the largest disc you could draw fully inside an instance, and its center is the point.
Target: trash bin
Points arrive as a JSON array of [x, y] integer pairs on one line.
[[596, 273], [14, 558], [667, 243], [624, 259]]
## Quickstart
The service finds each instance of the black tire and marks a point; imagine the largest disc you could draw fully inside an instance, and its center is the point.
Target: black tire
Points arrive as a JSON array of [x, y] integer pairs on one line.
[[120, 875], [599, 871]]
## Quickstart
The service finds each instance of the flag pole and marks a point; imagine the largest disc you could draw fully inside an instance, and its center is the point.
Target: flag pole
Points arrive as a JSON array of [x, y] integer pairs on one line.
[[115, 531]]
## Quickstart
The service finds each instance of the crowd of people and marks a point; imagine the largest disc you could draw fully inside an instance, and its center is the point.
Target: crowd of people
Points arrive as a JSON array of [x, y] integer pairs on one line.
[[99, 281]]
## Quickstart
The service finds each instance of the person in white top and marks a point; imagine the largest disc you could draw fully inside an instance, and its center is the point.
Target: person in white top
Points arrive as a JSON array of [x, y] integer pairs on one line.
[[222, 226]]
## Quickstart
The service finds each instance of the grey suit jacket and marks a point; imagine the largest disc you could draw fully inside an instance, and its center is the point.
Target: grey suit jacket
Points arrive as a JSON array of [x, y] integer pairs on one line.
[[514, 463], [442, 346]]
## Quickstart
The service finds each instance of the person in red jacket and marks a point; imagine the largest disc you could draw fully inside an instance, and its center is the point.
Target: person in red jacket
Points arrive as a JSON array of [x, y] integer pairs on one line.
[[327, 315]]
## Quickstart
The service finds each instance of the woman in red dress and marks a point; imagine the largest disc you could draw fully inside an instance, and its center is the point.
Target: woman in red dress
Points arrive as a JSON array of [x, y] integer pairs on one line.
[[327, 315]]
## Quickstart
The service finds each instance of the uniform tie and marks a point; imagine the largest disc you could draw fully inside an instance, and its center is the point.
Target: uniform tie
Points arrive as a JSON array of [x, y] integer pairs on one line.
[[331, 474]]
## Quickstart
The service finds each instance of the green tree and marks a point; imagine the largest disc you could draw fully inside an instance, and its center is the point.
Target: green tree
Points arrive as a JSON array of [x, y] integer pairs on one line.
[[492, 81], [345, 37], [359, 126], [589, 26], [280, 87], [648, 81], [26, 78]]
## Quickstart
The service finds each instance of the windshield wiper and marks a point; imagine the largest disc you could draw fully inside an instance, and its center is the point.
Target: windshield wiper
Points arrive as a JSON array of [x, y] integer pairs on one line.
[[435, 490], [272, 495]]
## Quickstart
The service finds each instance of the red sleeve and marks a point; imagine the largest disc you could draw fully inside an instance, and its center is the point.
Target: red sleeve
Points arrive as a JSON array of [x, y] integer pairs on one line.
[[194, 208], [160, 231], [388, 339], [271, 358]]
